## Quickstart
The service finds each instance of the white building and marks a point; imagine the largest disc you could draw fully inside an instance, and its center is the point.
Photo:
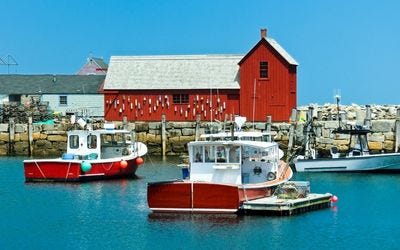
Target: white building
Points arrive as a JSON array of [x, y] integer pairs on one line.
[[65, 94]]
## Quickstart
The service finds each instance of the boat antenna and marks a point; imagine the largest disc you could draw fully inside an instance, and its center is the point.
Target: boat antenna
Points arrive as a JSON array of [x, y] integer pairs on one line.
[[337, 97], [254, 100]]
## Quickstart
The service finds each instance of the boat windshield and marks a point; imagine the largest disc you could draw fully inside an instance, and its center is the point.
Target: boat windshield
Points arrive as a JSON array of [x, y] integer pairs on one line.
[[117, 139], [216, 153], [269, 154]]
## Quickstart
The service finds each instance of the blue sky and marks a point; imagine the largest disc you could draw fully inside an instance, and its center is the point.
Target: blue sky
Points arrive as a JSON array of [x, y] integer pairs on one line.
[[351, 46]]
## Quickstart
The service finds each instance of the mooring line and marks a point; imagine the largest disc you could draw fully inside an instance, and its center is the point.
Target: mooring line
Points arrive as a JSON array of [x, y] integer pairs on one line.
[[66, 176], [37, 165]]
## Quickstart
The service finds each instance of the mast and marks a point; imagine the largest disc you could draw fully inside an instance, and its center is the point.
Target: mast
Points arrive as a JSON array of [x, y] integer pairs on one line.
[[254, 100], [337, 97]]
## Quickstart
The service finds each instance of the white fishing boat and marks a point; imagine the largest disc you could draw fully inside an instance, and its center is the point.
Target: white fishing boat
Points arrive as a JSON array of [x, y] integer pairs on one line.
[[356, 159]]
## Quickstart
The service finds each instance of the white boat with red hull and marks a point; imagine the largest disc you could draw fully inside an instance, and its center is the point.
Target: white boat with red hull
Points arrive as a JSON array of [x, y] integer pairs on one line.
[[223, 173], [91, 155]]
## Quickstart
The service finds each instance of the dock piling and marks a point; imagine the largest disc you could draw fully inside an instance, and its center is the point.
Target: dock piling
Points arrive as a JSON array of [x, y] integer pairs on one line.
[[125, 122], [268, 128], [293, 119], [163, 135], [30, 136], [11, 127], [397, 130], [197, 132]]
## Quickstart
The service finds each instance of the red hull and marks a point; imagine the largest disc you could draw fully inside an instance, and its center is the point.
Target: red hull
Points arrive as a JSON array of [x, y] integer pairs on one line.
[[200, 197], [70, 170]]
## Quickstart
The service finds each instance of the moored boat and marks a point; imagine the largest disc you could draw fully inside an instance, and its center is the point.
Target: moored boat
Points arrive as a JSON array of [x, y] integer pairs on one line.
[[356, 159], [91, 155], [224, 172]]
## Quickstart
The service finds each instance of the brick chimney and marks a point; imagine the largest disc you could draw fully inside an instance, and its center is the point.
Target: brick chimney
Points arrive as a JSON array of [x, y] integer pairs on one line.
[[264, 33]]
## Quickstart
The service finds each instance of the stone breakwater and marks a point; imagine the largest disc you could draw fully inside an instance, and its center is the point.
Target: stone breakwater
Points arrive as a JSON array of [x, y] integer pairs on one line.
[[50, 140]]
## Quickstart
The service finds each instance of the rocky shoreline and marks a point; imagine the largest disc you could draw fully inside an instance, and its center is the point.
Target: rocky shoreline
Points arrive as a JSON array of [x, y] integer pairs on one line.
[[49, 140]]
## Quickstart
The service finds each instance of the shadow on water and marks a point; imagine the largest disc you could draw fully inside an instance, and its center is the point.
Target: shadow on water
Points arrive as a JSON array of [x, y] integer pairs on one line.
[[217, 219]]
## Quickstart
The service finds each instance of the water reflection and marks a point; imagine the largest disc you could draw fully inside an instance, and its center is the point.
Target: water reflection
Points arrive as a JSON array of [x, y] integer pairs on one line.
[[216, 219]]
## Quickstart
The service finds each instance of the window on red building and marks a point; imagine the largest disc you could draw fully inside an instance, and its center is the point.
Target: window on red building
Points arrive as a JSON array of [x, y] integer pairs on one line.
[[180, 98], [263, 69]]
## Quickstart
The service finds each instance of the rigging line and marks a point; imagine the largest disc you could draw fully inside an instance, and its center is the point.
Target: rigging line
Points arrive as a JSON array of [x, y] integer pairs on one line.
[[37, 165], [66, 176], [111, 165], [254, 100]]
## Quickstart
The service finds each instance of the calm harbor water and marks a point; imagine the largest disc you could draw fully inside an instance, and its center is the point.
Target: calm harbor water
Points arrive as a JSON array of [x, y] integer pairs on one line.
[[114, 214]]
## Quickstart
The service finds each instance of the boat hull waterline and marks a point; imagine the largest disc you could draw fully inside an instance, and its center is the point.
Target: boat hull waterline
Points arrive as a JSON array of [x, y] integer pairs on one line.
[[71, 170], [206, 197]]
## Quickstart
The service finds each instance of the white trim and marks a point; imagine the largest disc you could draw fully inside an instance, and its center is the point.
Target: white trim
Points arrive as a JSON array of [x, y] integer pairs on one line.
[[83, 175]]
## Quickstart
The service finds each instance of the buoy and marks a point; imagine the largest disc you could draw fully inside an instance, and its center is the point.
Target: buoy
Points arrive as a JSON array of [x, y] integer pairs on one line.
[[123, 164], [139, 161], [86, 166], [334, 198]]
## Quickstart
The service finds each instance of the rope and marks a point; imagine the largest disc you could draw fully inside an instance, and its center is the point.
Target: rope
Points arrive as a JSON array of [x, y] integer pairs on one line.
[[244, 192], [111, 165], [37, 165], [66, 176]]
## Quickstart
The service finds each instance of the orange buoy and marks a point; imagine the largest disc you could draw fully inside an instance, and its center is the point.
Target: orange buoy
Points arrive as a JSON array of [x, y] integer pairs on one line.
[[139, 161], [334, 198], [123, 164]]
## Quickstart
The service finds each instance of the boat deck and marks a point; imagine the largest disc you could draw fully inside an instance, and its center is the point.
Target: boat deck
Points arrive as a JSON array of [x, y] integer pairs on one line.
[[276, 206]]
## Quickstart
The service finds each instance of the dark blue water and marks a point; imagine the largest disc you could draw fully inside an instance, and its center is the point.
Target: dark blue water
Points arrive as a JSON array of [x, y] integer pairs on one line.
[[114, 214]]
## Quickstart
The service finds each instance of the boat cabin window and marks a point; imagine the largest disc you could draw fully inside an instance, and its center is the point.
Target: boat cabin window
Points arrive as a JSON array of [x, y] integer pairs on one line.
[[198, 154], [234, 154], [91, 141], [221, 154], [113, 139], [74, 141], [259, 154], [209, 153]]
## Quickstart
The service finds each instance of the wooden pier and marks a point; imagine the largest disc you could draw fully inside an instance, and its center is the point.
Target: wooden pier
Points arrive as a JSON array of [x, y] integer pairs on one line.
[[278, 206]]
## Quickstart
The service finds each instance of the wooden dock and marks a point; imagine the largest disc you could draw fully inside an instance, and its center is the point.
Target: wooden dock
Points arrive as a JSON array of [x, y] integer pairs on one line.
[[277, 206]]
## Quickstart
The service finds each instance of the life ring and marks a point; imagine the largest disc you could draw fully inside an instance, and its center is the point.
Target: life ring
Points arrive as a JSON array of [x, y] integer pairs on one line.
[[271, 176]]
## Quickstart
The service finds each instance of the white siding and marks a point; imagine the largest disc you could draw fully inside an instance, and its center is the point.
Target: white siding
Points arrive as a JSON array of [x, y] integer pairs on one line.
[[92, 104], [3, 99]]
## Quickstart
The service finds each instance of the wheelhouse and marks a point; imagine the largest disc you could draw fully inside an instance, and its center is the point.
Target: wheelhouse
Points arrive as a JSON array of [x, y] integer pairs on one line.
[[98, 144], [236, 162]]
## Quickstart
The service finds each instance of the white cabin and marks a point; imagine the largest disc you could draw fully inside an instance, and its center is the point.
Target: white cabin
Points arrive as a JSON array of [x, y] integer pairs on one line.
[[233, 162], [98, 144]]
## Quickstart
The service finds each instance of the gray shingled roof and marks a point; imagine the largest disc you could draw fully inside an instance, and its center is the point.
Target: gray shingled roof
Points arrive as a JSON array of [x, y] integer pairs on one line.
[[100, 62], [50, 84], [282, 51], [173, 72]]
